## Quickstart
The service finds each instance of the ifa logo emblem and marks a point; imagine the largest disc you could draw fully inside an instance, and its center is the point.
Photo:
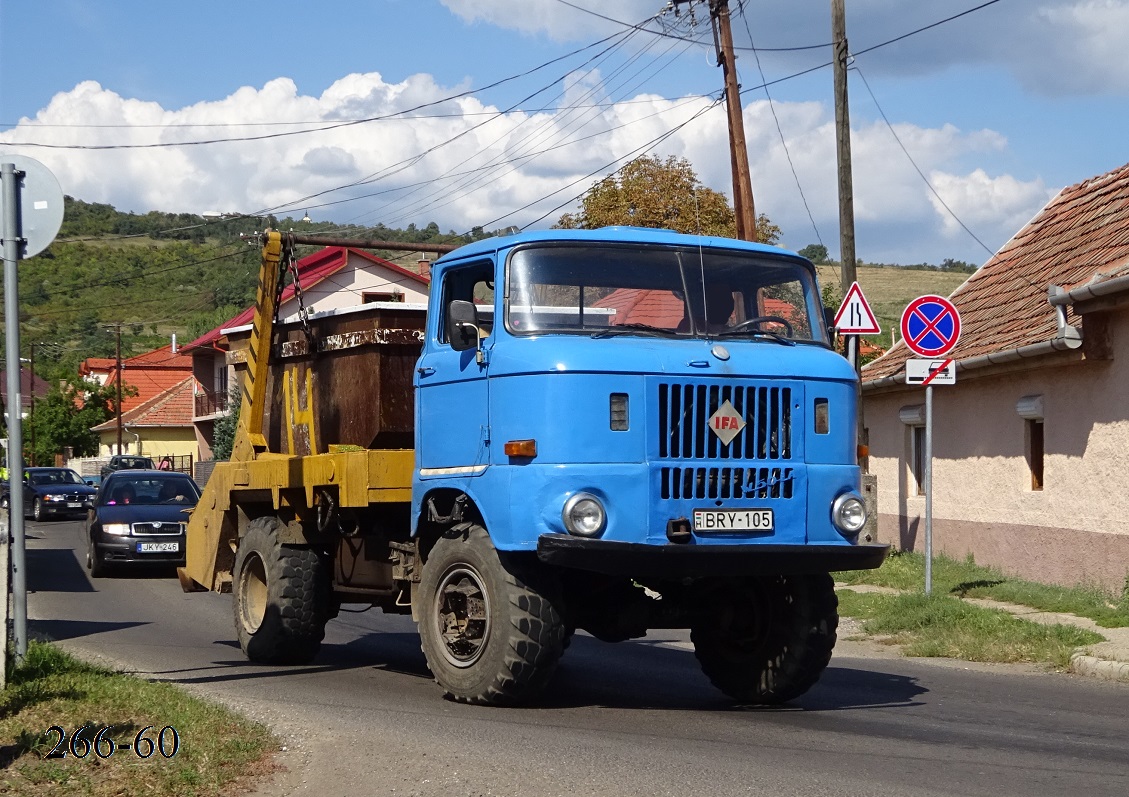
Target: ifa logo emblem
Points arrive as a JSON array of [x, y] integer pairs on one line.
[[726, 423]]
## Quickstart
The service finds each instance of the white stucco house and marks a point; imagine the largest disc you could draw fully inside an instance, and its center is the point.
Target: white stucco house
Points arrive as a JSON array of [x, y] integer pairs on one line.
[[1031, 446]]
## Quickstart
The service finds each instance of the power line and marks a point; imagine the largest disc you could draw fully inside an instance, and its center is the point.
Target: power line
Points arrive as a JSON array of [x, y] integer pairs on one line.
[[915, 166]]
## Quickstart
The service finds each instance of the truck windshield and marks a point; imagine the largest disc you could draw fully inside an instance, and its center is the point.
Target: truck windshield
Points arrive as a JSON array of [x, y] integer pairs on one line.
[[664, 291]]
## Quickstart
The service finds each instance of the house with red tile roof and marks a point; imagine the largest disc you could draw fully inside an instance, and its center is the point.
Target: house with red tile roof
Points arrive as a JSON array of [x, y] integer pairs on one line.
[[331, 279], [151, 373], [1031, 445], [158, 427]]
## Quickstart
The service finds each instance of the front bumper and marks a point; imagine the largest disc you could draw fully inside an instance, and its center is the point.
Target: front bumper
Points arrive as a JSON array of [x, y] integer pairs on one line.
[[123, 550], [677, 560]]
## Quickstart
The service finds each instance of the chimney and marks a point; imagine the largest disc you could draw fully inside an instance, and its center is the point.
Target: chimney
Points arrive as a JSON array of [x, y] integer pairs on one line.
[[174, 343]]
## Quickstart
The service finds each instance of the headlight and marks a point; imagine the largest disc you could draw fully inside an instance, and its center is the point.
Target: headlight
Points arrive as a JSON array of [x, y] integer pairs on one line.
[[55, 497], [584, 515], [848, 513], [116, 528]]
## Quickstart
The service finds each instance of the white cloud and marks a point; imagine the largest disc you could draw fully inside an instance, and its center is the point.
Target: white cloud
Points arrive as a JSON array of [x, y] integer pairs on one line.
[[460, 166]]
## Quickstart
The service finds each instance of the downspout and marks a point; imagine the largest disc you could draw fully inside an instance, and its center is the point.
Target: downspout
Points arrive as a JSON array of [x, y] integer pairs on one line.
[[1066, 338]]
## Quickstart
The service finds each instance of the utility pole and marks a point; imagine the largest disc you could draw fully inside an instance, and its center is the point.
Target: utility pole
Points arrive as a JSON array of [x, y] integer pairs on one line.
[[31, 392], [743, 206], [848, 273], [118, 402]]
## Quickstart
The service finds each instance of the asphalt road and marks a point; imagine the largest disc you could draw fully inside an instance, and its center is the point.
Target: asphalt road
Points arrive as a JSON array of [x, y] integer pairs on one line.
[[630, 719]]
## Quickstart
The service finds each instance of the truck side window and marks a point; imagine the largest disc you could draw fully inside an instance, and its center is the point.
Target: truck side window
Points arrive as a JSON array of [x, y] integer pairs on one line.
[[474, 283]]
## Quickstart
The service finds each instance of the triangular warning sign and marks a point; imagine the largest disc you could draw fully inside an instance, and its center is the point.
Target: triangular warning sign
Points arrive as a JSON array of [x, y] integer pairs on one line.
[[855, 316]]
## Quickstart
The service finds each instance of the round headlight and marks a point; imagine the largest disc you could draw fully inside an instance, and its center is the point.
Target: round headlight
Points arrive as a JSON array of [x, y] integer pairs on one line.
[[848, 513], [584, 515]]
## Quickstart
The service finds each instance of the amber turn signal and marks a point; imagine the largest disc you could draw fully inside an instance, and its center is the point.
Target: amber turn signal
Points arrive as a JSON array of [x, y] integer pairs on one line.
[[863, 452], [521, 448]]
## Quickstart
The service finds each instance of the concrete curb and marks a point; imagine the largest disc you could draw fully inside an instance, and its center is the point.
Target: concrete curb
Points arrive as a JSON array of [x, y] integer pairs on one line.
[[1084, 664]]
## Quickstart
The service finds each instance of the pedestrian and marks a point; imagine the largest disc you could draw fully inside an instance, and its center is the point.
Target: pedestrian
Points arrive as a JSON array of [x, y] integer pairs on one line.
[[166, 464]]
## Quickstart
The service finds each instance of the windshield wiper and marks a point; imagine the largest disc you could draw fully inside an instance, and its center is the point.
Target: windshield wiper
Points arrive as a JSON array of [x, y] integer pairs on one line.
[[620, 329], [763, 333]]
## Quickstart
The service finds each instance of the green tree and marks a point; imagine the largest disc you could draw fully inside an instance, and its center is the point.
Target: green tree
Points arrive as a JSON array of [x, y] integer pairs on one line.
[[816, 253], [651, 192], [223, 433], [65, 416]]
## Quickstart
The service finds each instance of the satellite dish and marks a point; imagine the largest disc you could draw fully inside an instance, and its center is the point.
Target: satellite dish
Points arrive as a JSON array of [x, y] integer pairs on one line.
[[40, 204]]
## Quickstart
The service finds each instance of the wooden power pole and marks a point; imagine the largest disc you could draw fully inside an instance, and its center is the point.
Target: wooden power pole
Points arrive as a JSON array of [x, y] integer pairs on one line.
[[743, 206], [118, 402], [848, 273]]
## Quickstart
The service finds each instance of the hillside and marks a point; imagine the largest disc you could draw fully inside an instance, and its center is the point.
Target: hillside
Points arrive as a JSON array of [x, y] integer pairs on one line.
[[888, 289], [162, 273]]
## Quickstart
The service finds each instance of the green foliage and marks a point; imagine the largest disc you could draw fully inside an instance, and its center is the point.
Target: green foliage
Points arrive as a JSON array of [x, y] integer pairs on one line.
[[64, 418], [223, 434], [816, 253], [651, 192]]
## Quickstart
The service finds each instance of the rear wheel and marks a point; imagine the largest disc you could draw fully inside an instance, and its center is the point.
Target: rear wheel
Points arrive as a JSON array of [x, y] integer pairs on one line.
[[769, 640], [281, 597], [489, 628]]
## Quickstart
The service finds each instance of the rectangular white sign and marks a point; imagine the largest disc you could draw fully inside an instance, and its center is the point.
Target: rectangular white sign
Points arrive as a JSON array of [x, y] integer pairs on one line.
[[931, 372]]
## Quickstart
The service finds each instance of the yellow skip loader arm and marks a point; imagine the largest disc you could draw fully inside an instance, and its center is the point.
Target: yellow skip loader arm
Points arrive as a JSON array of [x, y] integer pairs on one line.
[[292, 486]]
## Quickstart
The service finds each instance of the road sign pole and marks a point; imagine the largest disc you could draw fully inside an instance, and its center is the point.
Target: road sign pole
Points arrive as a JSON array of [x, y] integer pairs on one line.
[[11, 194], [929, 490]]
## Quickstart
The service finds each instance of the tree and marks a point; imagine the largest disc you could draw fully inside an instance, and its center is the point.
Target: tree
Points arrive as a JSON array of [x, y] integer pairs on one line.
[[223, 433], [65, 416], [816, 253], [651, 192]]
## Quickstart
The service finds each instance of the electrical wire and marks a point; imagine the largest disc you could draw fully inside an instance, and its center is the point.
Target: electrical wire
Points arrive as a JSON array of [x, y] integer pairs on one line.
[[776, 119], [916, 168]]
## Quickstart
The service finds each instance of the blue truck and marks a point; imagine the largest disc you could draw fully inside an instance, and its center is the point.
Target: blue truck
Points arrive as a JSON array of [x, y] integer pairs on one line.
[[613, 431]]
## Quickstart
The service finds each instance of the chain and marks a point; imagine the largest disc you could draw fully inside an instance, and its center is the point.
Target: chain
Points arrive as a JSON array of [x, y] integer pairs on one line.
[[292, 264]]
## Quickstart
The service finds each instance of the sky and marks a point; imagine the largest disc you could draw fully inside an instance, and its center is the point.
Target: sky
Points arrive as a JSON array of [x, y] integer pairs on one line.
[[494, 113]]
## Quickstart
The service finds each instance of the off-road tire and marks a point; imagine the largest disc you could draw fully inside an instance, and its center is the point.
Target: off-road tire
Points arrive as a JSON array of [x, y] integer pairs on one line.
[[506, 656], [281, 596], [37, 509], [767, 641]]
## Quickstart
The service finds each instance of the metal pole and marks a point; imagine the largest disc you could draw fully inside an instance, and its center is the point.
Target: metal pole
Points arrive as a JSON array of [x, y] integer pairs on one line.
[[12, 240], [929, 489]]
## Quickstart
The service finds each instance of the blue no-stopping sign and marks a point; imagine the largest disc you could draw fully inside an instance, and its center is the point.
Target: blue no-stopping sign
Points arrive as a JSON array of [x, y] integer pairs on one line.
[[930, 326]]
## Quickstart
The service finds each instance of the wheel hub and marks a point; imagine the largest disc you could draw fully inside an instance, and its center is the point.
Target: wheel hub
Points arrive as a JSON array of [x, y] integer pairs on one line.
[[462, 614], [253, 594]]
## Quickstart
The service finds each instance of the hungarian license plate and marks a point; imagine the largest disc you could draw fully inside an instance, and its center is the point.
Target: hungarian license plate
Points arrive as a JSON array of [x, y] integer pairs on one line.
[[732, 520], [74, 505], [158, 547]]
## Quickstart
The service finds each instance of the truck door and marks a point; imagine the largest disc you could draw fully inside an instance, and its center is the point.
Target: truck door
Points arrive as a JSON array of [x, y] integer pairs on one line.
[[452, 391]]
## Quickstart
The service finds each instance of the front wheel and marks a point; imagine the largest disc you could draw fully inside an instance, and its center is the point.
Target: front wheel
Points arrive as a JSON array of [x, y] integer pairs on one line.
[[767, 641], [489, 628], [94, 563], [281, 597], [37, 509]]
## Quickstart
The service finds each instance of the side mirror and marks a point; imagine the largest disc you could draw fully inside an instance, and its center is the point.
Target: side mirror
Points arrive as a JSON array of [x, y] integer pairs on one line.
[[829, 320], [462, 325]]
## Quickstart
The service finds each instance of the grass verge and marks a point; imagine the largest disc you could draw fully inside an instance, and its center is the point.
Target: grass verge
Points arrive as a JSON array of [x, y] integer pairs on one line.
[[906, 571], [51, 688], [944, 626]]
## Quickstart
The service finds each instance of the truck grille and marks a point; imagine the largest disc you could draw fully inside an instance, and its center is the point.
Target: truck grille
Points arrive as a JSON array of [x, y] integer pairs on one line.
[[724, 483], [684, 410]]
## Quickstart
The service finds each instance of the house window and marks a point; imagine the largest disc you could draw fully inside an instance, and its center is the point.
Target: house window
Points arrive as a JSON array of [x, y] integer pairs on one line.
[[914, 417], [1030, 409], [1035, 452], [917, 460], [369, 298]]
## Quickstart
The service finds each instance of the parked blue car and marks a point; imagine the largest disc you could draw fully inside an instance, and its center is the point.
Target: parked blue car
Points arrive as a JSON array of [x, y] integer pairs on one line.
[[51, 493]]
